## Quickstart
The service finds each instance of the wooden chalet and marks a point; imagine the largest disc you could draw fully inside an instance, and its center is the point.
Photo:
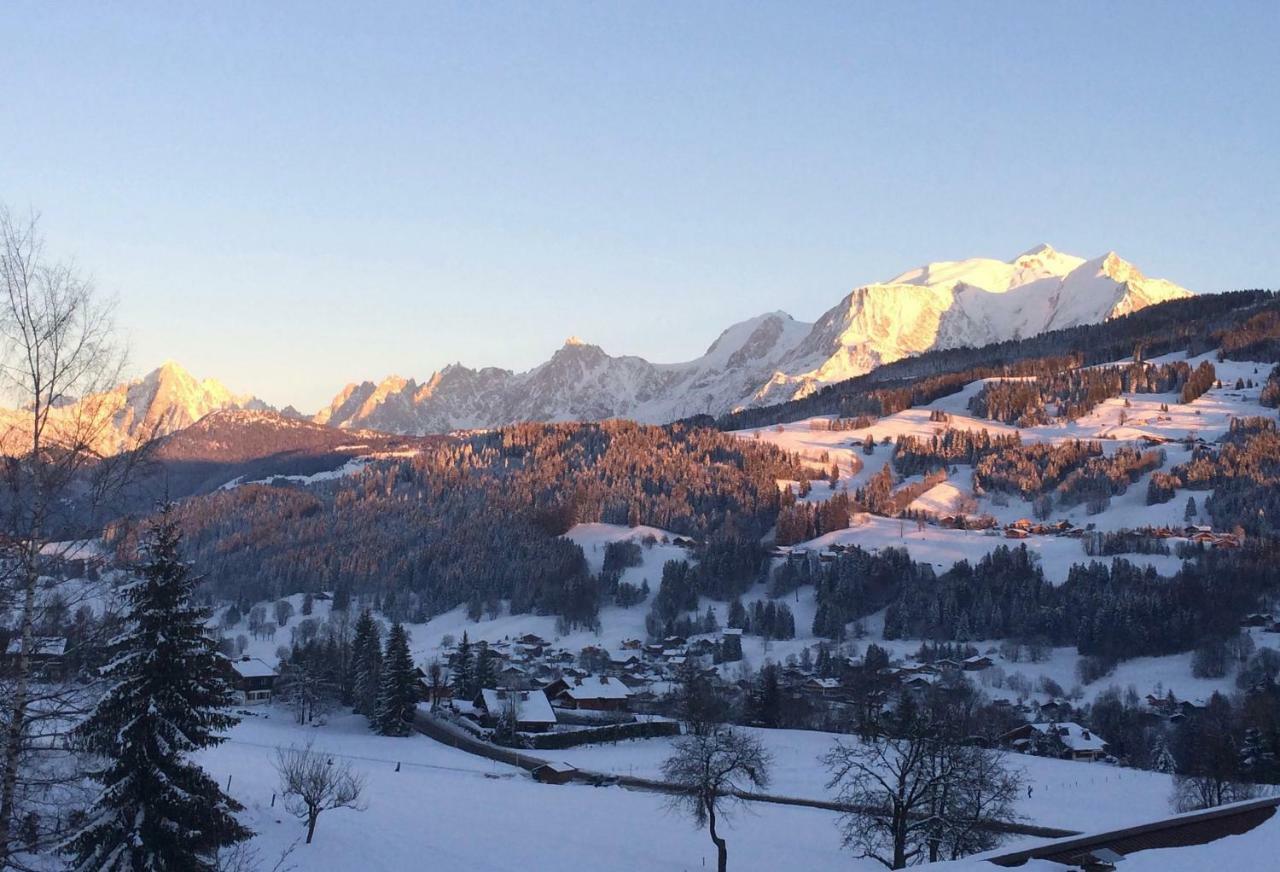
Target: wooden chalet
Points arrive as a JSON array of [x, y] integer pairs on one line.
[[47, 655], [553, 773], [532, 710], [593, 693], [254, 680]]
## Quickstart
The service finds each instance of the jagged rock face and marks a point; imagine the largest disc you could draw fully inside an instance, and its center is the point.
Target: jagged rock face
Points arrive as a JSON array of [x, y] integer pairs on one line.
[[772, 358], [163, 401]]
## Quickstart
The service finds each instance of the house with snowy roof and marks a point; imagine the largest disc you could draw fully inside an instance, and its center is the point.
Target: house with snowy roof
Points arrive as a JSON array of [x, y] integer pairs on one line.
[[1077, 742], [254, 680], [592, 693], [531, 708]]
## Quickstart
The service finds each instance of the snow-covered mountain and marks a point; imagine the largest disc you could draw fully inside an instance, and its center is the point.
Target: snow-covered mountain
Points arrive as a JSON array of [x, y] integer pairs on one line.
[[773, 357], [580, 381], [163, 401], [955, 304]]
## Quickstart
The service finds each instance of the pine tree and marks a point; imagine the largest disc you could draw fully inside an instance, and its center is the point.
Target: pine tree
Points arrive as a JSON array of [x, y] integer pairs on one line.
[[1161, 757], [399, 694], [463, 670], [169, 698], [485, 674], [366, 663]]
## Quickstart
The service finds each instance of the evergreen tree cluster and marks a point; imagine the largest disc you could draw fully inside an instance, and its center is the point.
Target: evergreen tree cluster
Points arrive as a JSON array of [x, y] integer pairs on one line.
[[1073, 393], [479, 520]]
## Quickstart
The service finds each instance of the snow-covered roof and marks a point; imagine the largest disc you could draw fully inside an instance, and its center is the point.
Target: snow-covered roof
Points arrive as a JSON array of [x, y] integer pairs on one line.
[[1074, 736], [252, 667], [49, 646], [561, 768], [595, 687], [532, 706]]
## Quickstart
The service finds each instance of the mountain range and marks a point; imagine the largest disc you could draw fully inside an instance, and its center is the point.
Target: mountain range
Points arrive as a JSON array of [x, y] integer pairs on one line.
[[773, 357], [767, 359]]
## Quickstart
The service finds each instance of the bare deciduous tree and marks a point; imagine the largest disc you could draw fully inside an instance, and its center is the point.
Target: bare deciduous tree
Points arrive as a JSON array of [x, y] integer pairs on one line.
[[712, 770], [60, 470], [312, 782], [919, 793]]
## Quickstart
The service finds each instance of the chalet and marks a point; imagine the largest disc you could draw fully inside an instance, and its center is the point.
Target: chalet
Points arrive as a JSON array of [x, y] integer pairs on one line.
[[594, 693], [1078, 742], [1015, 533], [1054, 709], [254, 680], [976, 663], [622, 663], [632, 645], [532, 710], [553, 773], [47, 654], [917, 683], [532, 640], [1257, 620], [513, 676], [824, 687]]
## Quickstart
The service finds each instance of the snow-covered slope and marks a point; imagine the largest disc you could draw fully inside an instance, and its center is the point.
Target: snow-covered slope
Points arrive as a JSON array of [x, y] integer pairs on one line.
[[163, 401], [772, 357]]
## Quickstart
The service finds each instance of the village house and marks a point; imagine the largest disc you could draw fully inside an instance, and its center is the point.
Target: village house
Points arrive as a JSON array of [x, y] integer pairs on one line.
[[46, 655], [553, 773], [255, 680], [823, 687], [1078, 742], [531, 708], [593, 693]]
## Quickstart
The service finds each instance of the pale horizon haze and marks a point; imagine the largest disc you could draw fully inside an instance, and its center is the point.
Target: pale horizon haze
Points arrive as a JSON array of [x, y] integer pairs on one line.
[[288, 197]]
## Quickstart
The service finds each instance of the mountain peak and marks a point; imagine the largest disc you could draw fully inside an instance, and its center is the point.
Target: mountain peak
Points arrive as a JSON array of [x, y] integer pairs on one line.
[[574, 341], [1042, 250]]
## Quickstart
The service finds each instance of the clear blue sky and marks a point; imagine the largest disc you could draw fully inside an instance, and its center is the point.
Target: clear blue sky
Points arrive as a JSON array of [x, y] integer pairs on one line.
[[289, 197]]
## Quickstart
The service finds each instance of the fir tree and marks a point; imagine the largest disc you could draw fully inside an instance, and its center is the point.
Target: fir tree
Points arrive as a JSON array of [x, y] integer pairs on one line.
[[366, 664], [169, 698], [1161, 757], [485, 674], [399, 694], [463, 670]]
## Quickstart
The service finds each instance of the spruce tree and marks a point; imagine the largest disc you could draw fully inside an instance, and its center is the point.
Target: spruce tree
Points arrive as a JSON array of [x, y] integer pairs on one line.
[[463, 670], [399, 694], [366, 664], [158, 810], [485, 674]]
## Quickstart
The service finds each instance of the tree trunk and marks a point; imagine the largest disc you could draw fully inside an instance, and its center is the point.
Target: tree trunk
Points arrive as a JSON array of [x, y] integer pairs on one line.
[[722, 847], [899, 837], [18, 712], [311, 825]]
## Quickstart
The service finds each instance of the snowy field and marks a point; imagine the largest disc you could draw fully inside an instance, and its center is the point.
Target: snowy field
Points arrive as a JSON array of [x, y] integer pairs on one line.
[[1065, 794], [446, 809]]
